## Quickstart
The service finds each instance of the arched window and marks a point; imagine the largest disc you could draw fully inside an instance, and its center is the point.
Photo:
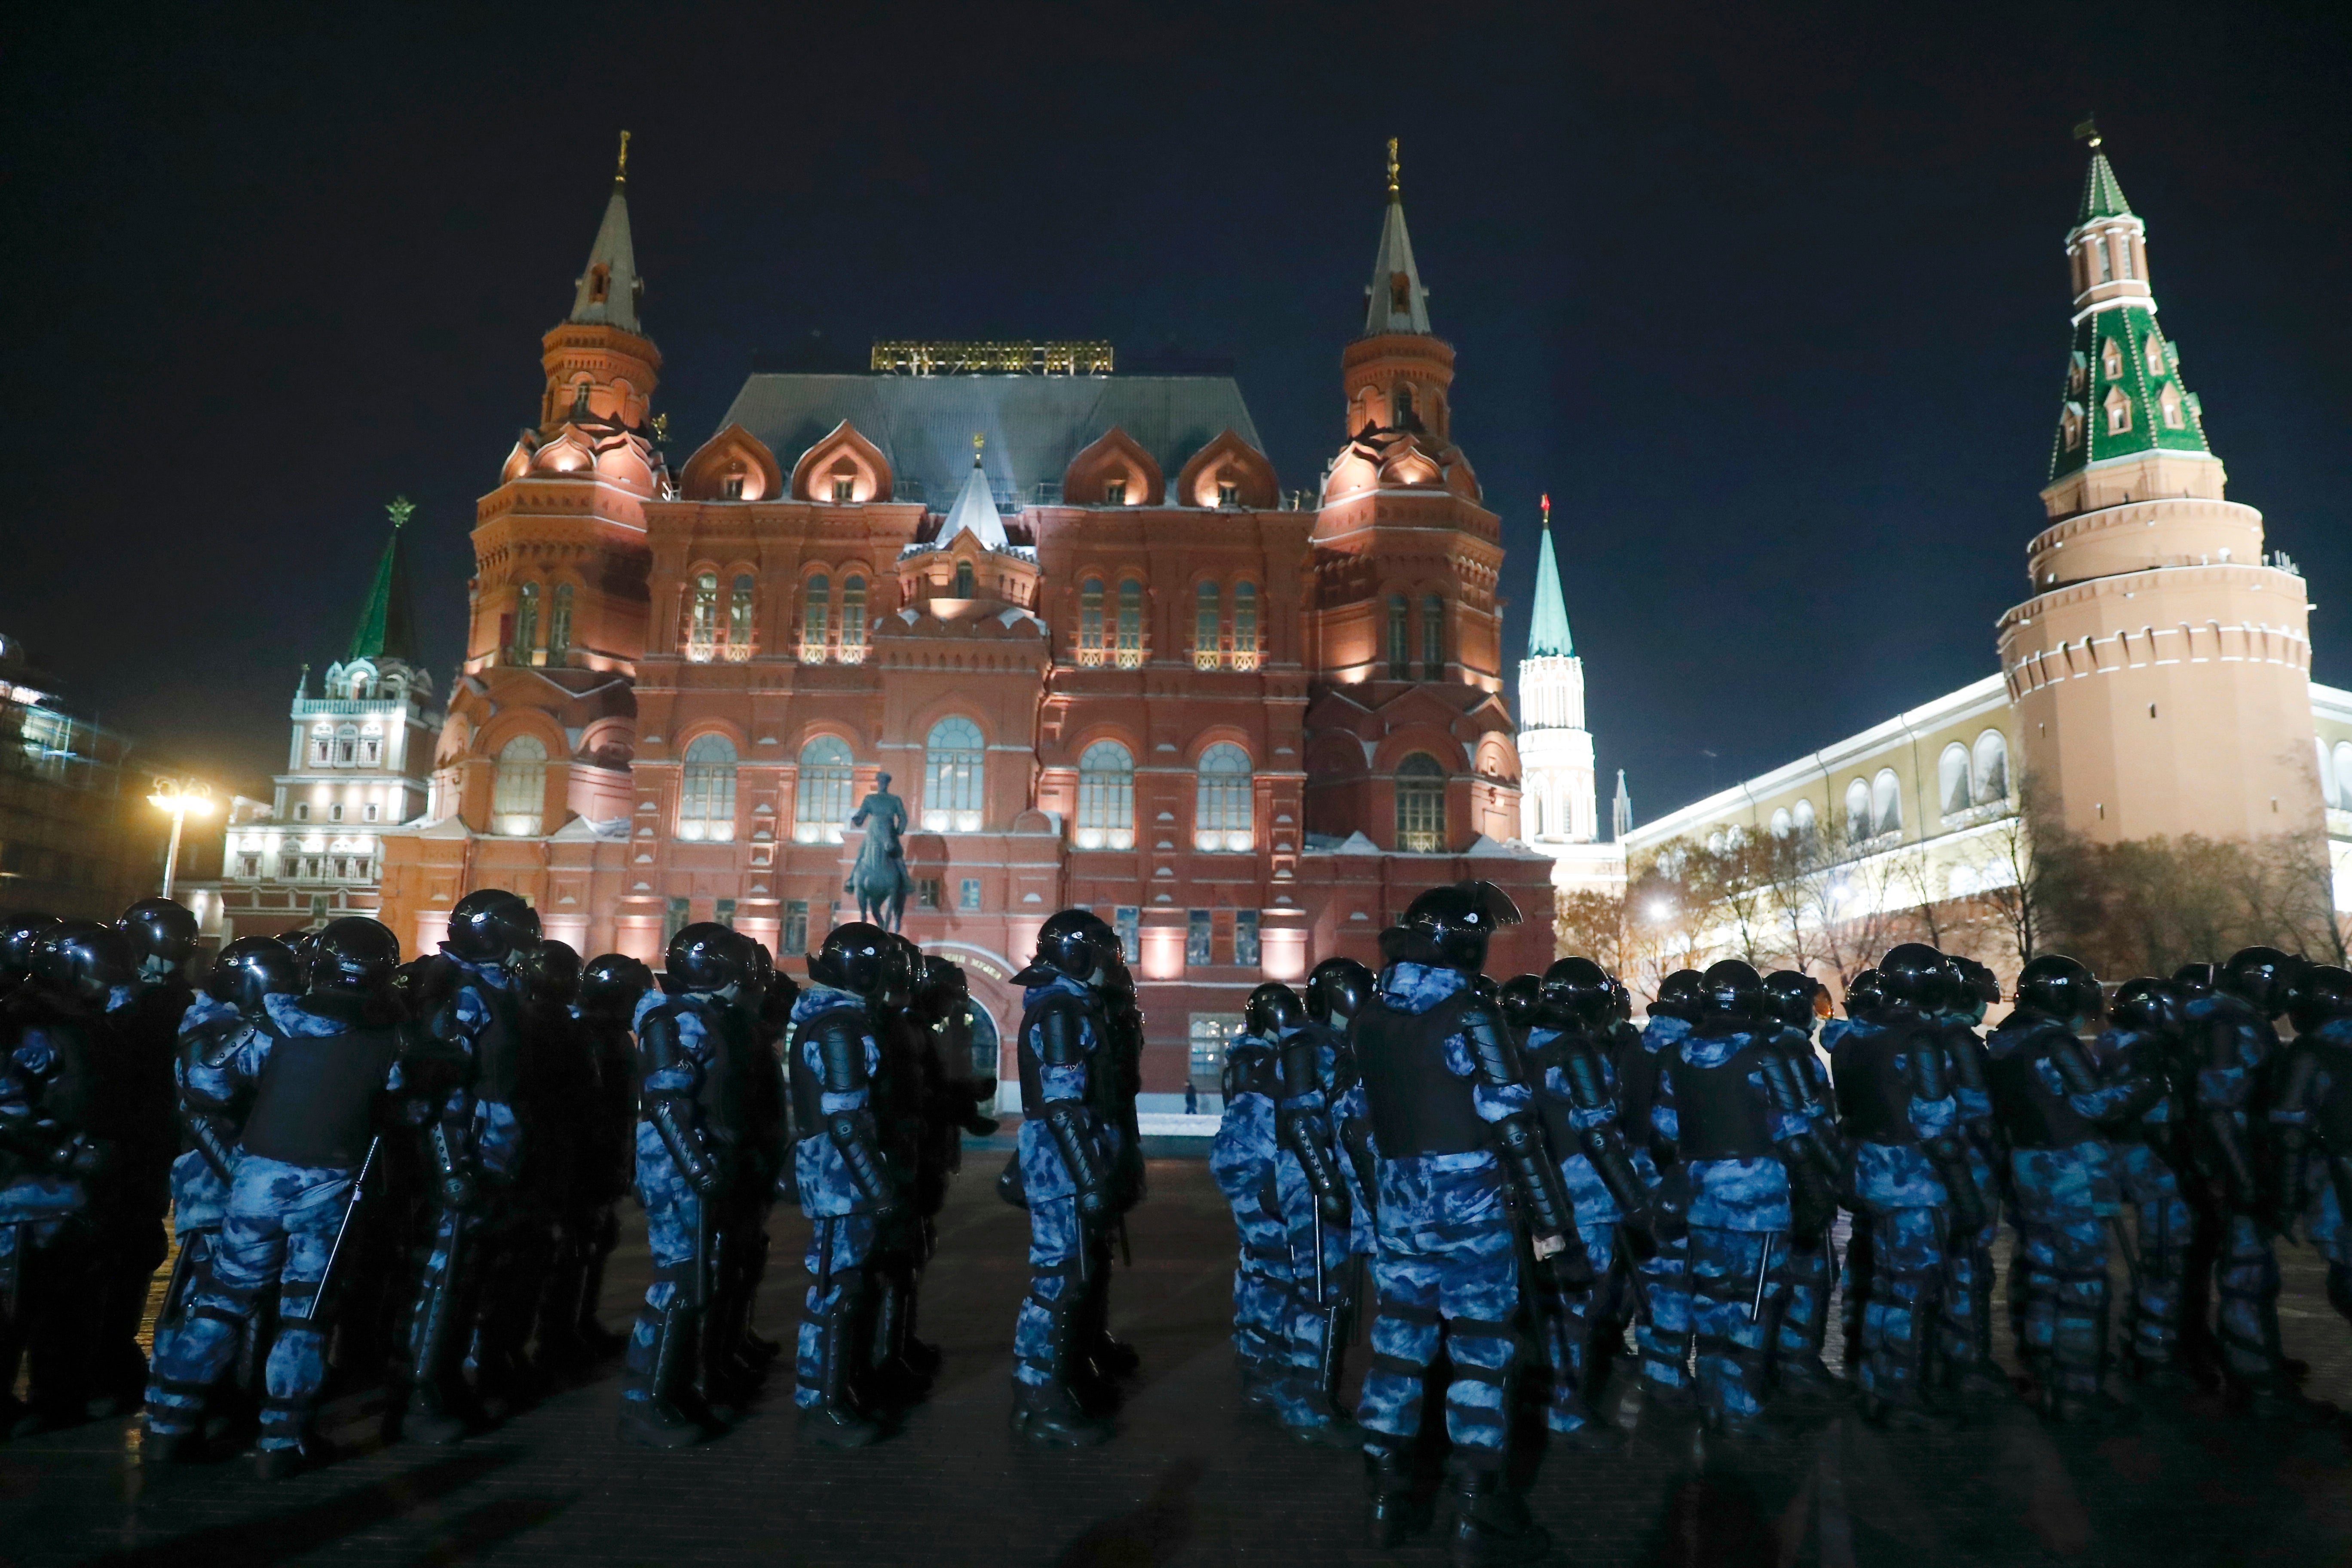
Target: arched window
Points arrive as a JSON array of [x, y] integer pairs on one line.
[[952, 776], [2111, 360], [2169, 406], [1105, 798], [1857, 812], [853, 620], [519, 788], [739, 620], [1886, 802], [2343, 771], [2118, 409], [322, 748], [1130, 624], [1220, 811], [1421, 805], [816, 609], [1992, 767], [2328, 790], [1399, 640], [821, 806], [965, 588], [1206, 628], [559, 625], [1244, 626], [526, 622], [1954, 787], [1402, 399], [702, 620], [1782, 824], [347, 745], [1801, 818], [706, 796], [1090, 621]]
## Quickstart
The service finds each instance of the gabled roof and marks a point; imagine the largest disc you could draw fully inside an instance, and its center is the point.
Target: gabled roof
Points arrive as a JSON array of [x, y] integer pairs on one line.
[[1548, 630], [387, 623], [974, 512]]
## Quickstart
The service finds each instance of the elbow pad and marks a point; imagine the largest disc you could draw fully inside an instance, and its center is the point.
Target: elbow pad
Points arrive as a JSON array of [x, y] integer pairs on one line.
[[1781, 1084], [1356, 1138], [1535, 1177], [1298, 1066], [682, 1136], [209, 1133], [2074, 1069], [1926, 1060], [1606, 1151], [841, 1057], [1588, 1088], [1314, 1160], [852, 1132], [1490, 1049], [1808, 1150], [1061, 1038]]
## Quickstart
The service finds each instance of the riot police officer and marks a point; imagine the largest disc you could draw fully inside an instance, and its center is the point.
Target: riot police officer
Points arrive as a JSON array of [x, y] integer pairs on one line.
[[841, 1174], [317, 1076], [1794, 1001], [2141, 1042], [1664, 1335], [2312, 1123], [1964, 1338], [20, 935], [1336, 988], [610, 987], [1312, 1198], [910, 1087], [1240, 1161], [1459, 1145]]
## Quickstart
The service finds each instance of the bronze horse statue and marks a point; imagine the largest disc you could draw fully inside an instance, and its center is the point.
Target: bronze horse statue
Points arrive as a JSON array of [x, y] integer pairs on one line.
[[879, 879]]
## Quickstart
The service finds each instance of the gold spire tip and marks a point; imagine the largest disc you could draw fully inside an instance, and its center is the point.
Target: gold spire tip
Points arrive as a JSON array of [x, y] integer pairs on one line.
[[621, 174], [1392, 168], [978, 441]]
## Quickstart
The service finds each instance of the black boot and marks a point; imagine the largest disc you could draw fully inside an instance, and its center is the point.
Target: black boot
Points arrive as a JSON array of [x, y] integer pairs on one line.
[[1048, 1415], [835, 1420], [1398, 1511], [439, 1410], [1491, 1524], [656, 1421]]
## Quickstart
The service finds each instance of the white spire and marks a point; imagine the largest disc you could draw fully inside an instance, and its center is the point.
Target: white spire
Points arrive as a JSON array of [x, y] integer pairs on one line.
[[974, 512]]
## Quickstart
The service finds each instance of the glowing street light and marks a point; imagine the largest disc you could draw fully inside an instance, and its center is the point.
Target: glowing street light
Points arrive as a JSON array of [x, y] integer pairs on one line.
[[183, 798]]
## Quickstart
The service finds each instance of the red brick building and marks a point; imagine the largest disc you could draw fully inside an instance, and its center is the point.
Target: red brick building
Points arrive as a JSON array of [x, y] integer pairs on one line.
[[1104, 658]]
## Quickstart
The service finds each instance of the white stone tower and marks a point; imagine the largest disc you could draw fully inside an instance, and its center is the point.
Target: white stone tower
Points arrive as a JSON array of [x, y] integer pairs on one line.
[[1559, 807]]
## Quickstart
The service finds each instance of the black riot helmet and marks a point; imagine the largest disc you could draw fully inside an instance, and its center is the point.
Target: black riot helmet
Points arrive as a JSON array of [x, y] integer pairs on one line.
[[1679, 996], [1917, 975], [2196, 981], [2059, 987], [610, 984], [1977, 983], [1864, 995], [855, 957], [489, 924], [2259, 976], [2319, 992], [1071, 943], [82, 962], [160, 930], [355, 956], [19, 934], [758, 963], [1522, 998], [902, 970], [2149, 1004], [1335, 989], [1732, 989], [551, 974], [942, 990], [1450, 927], [1272, 1011], [250, 968], [1794, 999], [1579, 991], [704, 956]]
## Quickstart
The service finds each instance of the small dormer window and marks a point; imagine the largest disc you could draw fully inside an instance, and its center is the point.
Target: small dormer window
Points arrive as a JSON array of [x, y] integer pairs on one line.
[[2070, 427], [1229, 494], [2168, 404], [2111, 359], [2078, 374], [1114, 493], [844, 490], [2153, 353], [964, 587], [2118, 408], [731, 487], [600, 283]]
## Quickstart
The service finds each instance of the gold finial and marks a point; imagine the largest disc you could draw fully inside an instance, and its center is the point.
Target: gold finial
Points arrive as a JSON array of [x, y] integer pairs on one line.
[[1392, 169], [661, 429], [621, 174], [978, 441], [401, 508], [2089, 131]]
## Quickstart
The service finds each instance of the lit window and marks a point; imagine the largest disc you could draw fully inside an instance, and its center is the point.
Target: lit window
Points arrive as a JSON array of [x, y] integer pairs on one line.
[[1198, 941], [965, 587], [740, 604], [1857, 812], [1782, 826], [2106, 268], [1205, 619], [2111, 360], [1955, 786], [1090, 621], [968, 894], [518, 789], [2169, 407], [1208, 1034], [1421, 805], [1130, 624], [526, 624], [1127, 921], [2118, 408], [2123, 255], [1399, 640], [853, 620], [1433, 637], [2152, 352], [1246, 951], [1220, 811], [1229, 494], [705, 801], [1114, 493], [953, 755], [2078, 374], [1992, 767], [559, 624], [702, 622], [822, 806], [845, 491], [1802, 817], [731, 487], [816, 609], [1105, 798], [1886, 802], [1244, 626], [2070, 427]]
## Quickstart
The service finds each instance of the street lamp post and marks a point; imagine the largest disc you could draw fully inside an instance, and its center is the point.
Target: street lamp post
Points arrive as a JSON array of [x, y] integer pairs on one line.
[[183, 798]]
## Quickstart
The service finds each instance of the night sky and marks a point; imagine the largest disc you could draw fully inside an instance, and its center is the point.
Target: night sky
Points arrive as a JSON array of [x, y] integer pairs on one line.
[[1775, 307]]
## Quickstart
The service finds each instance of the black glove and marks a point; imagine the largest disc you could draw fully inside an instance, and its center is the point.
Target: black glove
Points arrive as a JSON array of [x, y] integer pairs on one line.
[[1333, 1206], [1567, 1264]]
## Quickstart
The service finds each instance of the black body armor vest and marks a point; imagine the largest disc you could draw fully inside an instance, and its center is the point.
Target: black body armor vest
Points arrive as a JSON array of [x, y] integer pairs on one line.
[[1873, 1092], [1418, 1106], [1718, 1114], [316, 1100], [2033, 1116], [1637, 1085]]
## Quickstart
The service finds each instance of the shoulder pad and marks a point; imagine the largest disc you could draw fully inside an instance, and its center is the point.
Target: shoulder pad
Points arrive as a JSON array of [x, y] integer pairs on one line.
[[1061, 1033]]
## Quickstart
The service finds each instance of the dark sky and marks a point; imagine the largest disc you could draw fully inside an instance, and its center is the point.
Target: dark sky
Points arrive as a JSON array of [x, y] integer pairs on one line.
[[1773, 305]]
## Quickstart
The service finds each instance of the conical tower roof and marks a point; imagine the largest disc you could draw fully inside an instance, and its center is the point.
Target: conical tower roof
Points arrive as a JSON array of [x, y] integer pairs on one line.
[[387, 623], [1548, 632], [2102, 197], [1394, 300], [974, 512], [608, 288]]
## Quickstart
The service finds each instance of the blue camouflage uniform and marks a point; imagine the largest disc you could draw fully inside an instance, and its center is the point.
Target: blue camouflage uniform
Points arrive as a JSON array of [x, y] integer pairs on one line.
[[2233, 1046], [1664, 1334], [1740, 1210], [278, 1232], [1569, 1315], [1312, 1323], [2144, 1148], [1806, 1266], [495, 1133], [1964, 1336], [674, 1210], [2312, 1120], [210, 1034], [46, 1080], [1062, 1246], [1447, 1268], [1242, 1163], [2064, 1180], [843, 1227]]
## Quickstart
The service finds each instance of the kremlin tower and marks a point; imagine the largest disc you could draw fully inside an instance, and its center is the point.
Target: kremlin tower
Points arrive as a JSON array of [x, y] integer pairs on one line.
[[1559, 802]]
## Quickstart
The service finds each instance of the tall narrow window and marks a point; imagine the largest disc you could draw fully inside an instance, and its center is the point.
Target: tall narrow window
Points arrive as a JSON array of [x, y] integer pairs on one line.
[[1105, 798], [706, 799], [347, 745], [1421, 805], [822, 806], [519, 788], [526, 637], [1433, 637], [1400, 640], [1220, 811], [559, 625], [739, 603], [1199, 929], [1992, 767], [1114, 493], [2107, 269], [1090, 621], [953, 755], [853, 620], [1244, 626], [1130, 624], [1206, 617], [816, 611], [1127, 921], [702, 619], [794, 937], [1953, 785], [1403, 401], [1247, 949], [1886, 801], [965, 588], [1857, 812]]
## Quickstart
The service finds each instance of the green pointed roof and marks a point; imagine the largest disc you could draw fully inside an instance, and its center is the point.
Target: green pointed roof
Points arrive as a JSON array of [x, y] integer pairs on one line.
[[387, 623], [1548, 632], [2102, 197]]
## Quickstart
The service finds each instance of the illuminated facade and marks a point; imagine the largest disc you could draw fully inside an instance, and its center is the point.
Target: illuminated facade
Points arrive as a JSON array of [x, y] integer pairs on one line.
[[1105, 660], [78, 838]]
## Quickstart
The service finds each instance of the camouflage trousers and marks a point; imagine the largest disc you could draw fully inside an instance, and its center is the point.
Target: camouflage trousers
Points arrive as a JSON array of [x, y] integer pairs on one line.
[[1664, 1335], [1728, 1319], [1897, 1272], [1964, 1314], [1804, 1272], [1262, 1305], [674, 1222], [278, 1234], [2064, 1254], [1315, 1326], [1067, 1260], [1566, 1318], [41, 1246], [840, 1250], [1447, 1276], [2246, 1284], [2166, 1227]]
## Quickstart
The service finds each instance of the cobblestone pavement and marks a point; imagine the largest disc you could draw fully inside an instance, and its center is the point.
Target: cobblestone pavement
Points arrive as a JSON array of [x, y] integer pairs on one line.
[[1191, 1478]]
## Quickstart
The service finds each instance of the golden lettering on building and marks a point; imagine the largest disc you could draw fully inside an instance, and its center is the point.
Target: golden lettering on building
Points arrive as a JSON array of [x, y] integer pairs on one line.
[[924, 357]]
